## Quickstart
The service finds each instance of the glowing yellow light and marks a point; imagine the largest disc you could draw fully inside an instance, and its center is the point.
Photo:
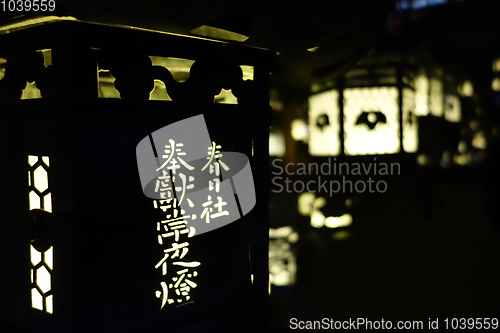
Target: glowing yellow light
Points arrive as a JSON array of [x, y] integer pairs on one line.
[[36, 299], [277, 144], [348, 203], [338, 222], [43, 279], [282, 263], [31, 91], [32, 160], [47, 203], [305, 202], [410, 122], [41, 181], [48, 304], [35, 21], [34, 200], [462, 147], [467, 89], [422, 95], [36, 256], [495, 84], [299, 130], [496, 65], [422, 159], [317, 219], [479, 140], [208, 31], [251, 278], [462, 159], [324, 124], [436, 97], [48, 256], [379, 138], [313, 49], [340, 235], [452, 109]]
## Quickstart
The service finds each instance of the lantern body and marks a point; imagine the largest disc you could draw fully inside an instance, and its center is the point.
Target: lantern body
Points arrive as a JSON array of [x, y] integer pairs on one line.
[[371, 112], [95, 267]]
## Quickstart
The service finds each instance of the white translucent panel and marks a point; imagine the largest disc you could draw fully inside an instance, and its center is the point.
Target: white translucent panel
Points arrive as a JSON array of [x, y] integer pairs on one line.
[[362, 136], [41, 181], [34, 200], [36, 299], [45, 160], [324, 127], [29, 178], [49, 257], [32, 160], [43, 279], [300, 130], [421, 95], [47, 203], [277, 145], [36, 256], [48, 304], [452, 109], [410, 122], [436, 97], [32, 280], [247, 72]]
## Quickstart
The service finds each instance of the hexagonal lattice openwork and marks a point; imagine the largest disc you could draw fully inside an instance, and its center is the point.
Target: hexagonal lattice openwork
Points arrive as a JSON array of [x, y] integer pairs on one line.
[[41, 262]]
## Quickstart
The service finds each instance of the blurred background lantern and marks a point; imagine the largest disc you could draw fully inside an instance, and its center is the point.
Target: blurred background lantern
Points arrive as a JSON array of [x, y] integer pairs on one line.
[[375, 103], [78, 237]]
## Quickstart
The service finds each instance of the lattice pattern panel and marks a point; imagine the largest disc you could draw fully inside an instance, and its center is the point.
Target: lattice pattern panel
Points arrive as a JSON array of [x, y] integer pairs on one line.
[[324, 137], [41, 262], [371, 124]]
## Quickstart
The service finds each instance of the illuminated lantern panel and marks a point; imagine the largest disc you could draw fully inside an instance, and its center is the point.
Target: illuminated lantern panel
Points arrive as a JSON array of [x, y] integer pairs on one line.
[[324, 128], [277, 145], [310, 205], [421, 95], [371, 120], [282, 262], [410, 124], [436, 97], [452, 109], [41, 262]]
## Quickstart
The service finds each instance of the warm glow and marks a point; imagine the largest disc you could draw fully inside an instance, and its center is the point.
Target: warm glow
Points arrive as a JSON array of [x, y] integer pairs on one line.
[[217, 33], [300, 130], [479, 140], [338, 222], [363, 137], [496, 65], [436, 99], [467, 89], [324, 124], [282, 263], [42, 263], [495, 84], [277, 145], [422, 95], [410, 122], [452, 109]]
